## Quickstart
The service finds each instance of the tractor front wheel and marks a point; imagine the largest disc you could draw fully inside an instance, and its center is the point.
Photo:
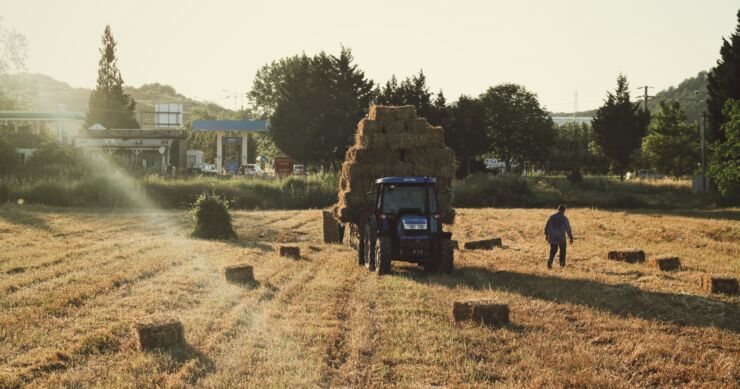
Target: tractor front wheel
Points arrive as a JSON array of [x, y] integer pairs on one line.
[[383, 255], [369, 249]]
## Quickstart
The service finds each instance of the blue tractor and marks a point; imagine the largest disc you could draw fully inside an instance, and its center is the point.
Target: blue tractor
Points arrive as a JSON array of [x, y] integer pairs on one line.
[[404, 225]]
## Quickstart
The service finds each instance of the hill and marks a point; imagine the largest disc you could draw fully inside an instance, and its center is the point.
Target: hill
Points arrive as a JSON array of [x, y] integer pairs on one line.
[[49, 93], [691, 93]]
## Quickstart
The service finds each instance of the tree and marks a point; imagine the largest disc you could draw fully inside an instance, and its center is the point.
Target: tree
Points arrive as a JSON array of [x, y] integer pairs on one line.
[[571, 149], [351, 94], [411, 91], [519, 129], [265, 91], [108, 104], [619, 126], [724, 83], [671, 146], [724, 166], [465, 131], [9, 159], [439, 114], [13, 54], [317, 103]]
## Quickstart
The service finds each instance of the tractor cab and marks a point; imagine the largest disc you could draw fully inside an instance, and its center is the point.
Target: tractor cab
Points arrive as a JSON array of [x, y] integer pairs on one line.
[[405, 226]]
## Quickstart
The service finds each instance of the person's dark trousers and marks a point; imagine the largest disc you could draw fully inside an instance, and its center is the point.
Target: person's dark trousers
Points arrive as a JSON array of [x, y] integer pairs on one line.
[[554, 249]]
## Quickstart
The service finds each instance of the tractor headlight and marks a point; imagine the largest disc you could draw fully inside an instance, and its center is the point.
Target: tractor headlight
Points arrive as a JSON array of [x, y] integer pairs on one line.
[[421, 225]]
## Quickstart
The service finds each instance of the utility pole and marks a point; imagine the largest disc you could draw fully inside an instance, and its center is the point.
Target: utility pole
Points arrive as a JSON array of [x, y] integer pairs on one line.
[[645, 96], [702, 125]]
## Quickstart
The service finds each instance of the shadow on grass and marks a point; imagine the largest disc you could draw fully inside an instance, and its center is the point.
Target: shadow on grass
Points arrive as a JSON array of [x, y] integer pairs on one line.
[[18, 216], [184, 356], [712, 214], [249, 244], [622, 299]]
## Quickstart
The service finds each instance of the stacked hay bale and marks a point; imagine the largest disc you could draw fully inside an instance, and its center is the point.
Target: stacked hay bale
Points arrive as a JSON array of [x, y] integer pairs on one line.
[[394, 141]]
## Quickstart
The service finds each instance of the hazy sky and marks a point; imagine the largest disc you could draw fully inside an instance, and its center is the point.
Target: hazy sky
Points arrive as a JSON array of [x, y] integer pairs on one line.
[[552, 47]]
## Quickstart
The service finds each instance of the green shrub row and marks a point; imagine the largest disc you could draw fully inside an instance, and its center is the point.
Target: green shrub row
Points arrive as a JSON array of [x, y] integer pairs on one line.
[[481, 190], [292, 193], [484, 190]]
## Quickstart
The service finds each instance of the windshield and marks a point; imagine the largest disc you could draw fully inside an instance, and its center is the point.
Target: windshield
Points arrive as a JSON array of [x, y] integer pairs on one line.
[[397, 197]]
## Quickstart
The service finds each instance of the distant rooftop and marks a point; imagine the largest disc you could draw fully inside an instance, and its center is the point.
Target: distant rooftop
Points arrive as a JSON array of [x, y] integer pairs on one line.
[[41, 115], [560, 120], [230, 125]]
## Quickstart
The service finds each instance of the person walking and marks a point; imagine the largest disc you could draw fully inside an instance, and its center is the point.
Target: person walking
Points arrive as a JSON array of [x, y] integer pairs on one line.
[[557, 226]]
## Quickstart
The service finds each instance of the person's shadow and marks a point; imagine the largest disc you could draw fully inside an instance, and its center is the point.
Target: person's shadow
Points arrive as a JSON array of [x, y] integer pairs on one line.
[[621, 299]]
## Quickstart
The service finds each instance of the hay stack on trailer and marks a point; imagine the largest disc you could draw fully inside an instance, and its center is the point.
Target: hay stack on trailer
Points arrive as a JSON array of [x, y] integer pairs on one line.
[[394, 141]]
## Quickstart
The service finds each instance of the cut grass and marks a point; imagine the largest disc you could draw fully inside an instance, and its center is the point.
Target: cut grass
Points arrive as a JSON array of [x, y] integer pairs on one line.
[[324, 321]]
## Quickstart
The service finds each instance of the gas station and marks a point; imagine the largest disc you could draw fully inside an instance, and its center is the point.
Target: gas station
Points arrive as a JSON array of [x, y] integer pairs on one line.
[[231, 132]]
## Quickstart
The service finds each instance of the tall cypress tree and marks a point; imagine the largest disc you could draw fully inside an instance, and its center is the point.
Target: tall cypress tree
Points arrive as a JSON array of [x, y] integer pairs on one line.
[[108, 104], [619, 126], [724, 83]]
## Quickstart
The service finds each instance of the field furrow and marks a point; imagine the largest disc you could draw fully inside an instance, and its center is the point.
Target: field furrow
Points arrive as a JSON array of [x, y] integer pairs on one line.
[[323, 321]]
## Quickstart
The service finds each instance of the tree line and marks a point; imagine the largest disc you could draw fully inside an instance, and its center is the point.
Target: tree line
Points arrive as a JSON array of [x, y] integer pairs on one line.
[[314, 103]]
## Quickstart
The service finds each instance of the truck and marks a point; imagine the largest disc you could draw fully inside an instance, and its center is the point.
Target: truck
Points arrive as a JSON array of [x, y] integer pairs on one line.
[[195, 164]]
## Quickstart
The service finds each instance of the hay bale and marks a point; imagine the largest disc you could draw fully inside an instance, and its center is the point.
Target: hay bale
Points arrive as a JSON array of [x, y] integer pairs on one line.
[[393, 141], [391, 113], [239, 273], [485, 244], [666, 263], [629, 256], [481, 311], [290, 252], [158, 331], [717, 284], [333, 231]]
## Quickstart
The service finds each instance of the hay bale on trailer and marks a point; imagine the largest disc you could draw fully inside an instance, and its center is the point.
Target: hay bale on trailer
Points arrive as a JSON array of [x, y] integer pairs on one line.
[[485, 312], [629, 256], [393, 141], [239, 274], [290, 252], [158, 331], [485, 244], [666, 263], [718, 284]]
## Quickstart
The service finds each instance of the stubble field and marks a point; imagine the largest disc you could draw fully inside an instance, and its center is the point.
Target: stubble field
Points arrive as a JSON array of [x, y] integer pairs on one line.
[[72, 281]]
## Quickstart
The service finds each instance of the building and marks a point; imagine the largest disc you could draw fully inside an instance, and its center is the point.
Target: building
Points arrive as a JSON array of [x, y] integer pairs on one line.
[[161, 149], [161, 143]]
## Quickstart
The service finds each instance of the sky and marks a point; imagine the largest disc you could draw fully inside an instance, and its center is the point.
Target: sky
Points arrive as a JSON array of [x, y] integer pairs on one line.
[[554, 48]]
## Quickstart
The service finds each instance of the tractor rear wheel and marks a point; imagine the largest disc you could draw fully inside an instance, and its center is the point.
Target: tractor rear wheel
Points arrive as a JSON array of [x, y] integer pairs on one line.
[[447, 256], [361, 252], [383, 255]]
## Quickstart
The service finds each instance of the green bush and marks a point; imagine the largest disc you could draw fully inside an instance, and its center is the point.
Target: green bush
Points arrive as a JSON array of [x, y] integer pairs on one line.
[[211, 218], [485, 190]]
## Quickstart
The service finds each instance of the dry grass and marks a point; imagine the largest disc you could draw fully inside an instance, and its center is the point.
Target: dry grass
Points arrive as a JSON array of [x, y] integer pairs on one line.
[[71, 280]]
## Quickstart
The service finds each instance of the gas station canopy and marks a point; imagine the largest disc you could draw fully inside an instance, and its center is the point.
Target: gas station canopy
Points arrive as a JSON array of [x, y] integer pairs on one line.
[[230, 125], [241, 127]]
